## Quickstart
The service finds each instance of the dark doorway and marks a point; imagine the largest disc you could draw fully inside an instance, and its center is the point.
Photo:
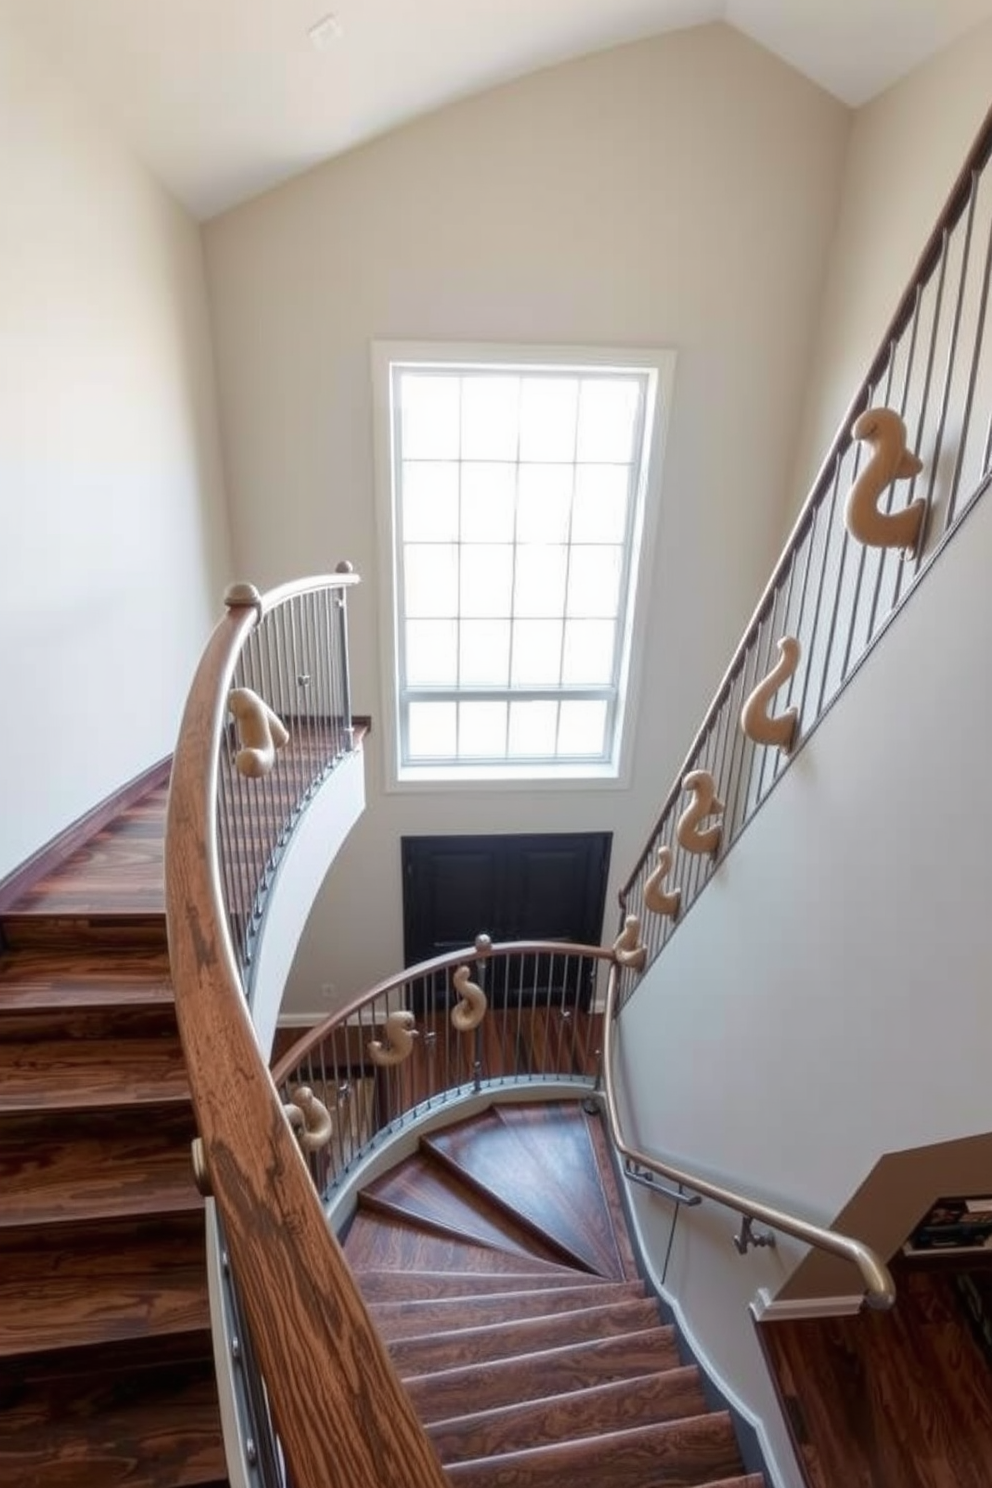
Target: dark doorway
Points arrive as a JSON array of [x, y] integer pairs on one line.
[[548, 887]]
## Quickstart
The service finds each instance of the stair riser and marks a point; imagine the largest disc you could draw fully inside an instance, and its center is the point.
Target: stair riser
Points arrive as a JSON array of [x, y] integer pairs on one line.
[[678, 1454], [438, 1395], [408, 1319], [483, 1345], [406, 1286], [614, 1407]]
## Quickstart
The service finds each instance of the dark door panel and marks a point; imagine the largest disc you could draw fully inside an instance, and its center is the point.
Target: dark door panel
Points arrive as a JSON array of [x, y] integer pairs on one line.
[[549, 886]]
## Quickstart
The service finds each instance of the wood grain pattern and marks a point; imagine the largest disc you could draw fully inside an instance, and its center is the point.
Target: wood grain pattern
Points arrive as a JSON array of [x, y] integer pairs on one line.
[[678, 1454], [442, 1394], [120, 869], [43, 863], [101, 1282], [121, 1419], [484, 1345], [297, 1293], [75, 1074], [100, 1167], [617, 1406], [410, 1286], [412, 1319], [421, 1191], [378, 1240], [902, 1398]]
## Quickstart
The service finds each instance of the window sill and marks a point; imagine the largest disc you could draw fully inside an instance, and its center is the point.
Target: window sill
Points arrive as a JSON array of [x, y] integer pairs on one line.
[[512, 777]]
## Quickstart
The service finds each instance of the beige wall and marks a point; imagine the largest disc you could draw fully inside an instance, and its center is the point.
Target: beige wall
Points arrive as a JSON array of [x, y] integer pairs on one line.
[[826, 1001], [112, 528], [905, 150], [670, 193]]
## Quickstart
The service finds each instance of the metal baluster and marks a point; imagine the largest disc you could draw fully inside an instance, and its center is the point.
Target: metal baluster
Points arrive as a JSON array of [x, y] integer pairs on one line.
[[972, 376], [927, 378], [890, 494], [949, 365], [862, 556], [814, 629]]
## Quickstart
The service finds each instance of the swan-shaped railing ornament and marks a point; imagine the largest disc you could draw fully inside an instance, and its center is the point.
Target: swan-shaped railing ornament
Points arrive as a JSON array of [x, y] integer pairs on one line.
[[885, 433], [755, 719]]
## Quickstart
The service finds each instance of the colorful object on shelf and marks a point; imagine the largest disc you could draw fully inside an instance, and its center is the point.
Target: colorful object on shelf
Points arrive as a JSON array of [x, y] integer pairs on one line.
[[627, 948], [885, 433], [705, 802], [469, 1012], [398, 1044], [656, 898], [260, 731], [755, 719]]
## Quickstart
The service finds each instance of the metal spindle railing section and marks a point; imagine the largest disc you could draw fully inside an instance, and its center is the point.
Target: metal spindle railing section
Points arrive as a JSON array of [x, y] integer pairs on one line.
[[831, 592], [485, 1017], [295, 661]]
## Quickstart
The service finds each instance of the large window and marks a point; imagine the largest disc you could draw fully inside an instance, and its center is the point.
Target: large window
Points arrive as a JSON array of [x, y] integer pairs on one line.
[[516, 508]]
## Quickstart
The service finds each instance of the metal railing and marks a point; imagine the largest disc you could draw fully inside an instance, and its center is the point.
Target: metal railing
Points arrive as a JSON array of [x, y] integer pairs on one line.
[[411, 1045], [879, 1288], [828, 590], [295, 660]]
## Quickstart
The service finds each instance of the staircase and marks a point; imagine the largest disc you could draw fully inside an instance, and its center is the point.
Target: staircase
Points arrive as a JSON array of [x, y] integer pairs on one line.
[[497, 1266], [495, 1260], [106, 1364]]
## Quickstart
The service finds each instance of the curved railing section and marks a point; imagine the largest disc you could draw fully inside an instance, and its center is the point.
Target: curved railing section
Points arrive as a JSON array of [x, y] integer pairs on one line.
[[340, 1412], [482, 1018], [876, 1279], [913, 455], [287, 725]]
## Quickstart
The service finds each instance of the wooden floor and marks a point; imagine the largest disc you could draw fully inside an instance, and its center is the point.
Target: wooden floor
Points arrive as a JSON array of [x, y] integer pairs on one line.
[[890, 1400]]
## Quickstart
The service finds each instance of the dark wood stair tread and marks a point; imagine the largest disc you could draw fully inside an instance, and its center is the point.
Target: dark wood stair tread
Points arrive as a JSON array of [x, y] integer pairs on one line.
[[97, 1166], [619, 1405], [676, 1454], [408, 1319], [500, 1340], [375, 1241], [454, 1392], [414, 1286], [45, 979], [73, 1074], [106, 1419], [538, 1162], [422, 1191], [98, 1283]]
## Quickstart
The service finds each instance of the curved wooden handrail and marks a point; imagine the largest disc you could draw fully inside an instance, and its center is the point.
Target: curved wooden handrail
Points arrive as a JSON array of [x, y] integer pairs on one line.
[[296, 1055], [342, 1415], [978, 156], [880, 1291]]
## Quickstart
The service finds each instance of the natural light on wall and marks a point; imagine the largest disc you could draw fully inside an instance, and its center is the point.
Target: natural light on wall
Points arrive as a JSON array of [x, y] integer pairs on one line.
[[515, 494]]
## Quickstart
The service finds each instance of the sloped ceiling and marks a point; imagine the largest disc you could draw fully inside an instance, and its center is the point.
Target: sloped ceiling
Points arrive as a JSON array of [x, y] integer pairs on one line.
[[224, 98]]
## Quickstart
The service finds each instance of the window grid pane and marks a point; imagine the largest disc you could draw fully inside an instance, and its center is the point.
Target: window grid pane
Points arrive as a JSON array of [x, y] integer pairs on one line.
[[514, 501]]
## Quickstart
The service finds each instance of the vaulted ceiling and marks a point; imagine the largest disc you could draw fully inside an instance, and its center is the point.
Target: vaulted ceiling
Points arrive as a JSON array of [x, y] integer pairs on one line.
[[224, 98]]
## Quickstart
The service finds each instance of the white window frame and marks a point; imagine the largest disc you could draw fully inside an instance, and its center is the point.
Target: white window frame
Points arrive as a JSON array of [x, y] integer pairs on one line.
[[614, 771]]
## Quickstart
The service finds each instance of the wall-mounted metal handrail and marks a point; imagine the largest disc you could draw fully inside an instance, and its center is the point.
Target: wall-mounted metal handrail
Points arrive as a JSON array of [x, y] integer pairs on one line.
[[879, 1287]]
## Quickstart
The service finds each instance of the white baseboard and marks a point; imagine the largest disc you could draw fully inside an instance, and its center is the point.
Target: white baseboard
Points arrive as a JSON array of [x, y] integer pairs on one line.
[[764, 1309]]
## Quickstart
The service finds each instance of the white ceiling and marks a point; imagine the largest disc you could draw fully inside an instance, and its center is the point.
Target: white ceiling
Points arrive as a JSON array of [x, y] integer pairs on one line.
[[223, 98]]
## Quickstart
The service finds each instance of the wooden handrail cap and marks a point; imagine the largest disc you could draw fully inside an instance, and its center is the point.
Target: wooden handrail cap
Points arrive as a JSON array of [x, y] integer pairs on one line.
[[241, 596]]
